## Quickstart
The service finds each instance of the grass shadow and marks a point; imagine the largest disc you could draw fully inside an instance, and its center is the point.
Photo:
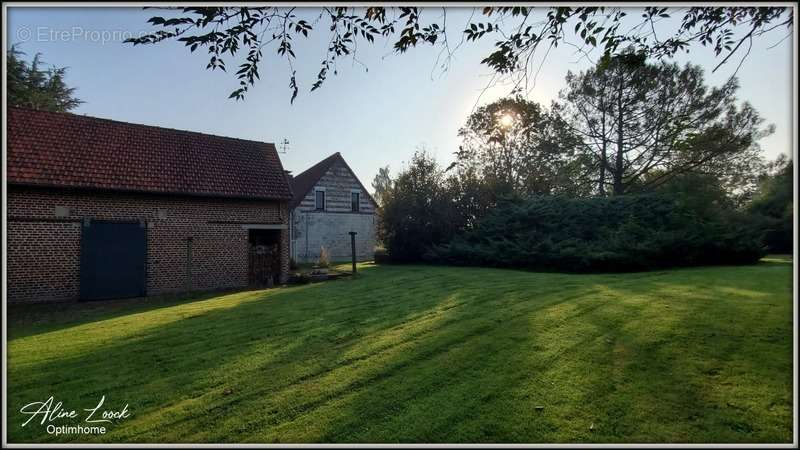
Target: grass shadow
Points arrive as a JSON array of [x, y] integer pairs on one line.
[[213, 356], [437, 354]]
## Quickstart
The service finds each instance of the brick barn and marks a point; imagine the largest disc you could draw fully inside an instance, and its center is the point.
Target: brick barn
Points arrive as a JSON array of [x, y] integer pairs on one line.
[[104, 209]]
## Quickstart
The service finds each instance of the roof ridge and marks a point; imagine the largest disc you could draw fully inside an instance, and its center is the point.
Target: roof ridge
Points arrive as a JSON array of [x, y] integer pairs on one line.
[[84, 116]]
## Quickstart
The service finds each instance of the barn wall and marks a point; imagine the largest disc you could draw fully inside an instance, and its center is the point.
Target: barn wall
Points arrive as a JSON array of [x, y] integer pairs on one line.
[[44, 246]]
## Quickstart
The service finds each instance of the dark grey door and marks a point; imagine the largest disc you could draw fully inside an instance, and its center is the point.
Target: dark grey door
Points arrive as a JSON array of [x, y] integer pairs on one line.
[[113, 259]]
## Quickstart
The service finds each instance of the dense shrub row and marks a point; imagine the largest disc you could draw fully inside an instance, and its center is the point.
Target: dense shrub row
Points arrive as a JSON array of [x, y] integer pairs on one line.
[[623, 233]]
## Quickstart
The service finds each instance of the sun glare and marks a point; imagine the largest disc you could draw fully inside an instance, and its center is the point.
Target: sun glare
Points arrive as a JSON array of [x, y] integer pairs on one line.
[[506, 120]]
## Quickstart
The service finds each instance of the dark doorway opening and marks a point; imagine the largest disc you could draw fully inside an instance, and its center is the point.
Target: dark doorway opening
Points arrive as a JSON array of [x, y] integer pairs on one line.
[[113, 260], [265, 257]]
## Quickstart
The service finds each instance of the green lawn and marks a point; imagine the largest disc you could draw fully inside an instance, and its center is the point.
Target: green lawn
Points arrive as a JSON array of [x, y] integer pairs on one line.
[[427, 354]]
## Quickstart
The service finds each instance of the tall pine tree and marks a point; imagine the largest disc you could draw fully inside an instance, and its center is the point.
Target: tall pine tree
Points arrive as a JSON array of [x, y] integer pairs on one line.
[[31, 86], [642, 124]]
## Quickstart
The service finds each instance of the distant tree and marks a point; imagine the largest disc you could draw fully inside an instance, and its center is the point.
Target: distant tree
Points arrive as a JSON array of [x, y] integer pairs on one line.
[[643, 123], [418, 211], [473, 196], [381, 184], [517, 147], [16, 75], [33, 87], [773, 205], [226, 32]]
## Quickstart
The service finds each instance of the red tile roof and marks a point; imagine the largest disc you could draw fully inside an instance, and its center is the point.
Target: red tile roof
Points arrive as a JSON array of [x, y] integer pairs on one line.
[[69, 150], [303, 182]]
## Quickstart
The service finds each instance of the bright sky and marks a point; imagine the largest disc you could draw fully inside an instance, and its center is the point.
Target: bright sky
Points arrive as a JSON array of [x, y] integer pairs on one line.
[[375, 118]]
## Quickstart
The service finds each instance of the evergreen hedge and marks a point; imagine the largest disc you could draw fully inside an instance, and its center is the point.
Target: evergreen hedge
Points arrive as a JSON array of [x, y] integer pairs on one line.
[[623, 233]]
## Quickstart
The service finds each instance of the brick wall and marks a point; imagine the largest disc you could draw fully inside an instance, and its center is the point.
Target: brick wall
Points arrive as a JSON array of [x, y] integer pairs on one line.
[[313, 229], [44, 249]]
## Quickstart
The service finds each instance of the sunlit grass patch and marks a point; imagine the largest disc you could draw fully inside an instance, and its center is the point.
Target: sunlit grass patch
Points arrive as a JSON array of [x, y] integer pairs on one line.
[[428, 354]]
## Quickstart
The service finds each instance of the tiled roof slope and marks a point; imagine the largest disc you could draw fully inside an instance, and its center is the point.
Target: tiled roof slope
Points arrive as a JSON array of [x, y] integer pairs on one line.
[[303, 182], [69, 150]]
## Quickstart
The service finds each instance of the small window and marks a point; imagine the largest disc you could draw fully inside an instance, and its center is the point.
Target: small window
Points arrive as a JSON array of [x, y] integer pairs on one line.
[[319, 200], [354, 201]]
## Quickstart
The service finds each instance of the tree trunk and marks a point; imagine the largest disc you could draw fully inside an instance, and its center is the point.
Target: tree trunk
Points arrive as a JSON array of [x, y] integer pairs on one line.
[[619, 189], [603, 156]]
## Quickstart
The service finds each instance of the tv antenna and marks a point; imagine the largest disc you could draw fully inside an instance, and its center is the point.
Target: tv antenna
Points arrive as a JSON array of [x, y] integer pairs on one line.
[[284, 146]]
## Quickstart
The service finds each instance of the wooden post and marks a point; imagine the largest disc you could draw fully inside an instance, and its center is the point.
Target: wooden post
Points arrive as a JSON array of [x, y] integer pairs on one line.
[[353, 247]]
